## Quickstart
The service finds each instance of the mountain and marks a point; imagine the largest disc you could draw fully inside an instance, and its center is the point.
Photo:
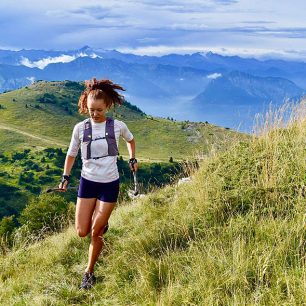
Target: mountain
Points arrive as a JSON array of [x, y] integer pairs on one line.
[[167, 85], [242, 95], [238, 88], [13, 77], [140, 80]]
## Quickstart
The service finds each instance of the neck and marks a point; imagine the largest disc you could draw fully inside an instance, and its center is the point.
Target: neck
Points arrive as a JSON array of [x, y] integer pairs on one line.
[[101, 120]]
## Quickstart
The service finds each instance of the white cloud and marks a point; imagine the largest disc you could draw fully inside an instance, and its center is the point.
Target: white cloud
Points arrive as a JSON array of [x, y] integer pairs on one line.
[[263, 53], [41, 64], [214, 76]]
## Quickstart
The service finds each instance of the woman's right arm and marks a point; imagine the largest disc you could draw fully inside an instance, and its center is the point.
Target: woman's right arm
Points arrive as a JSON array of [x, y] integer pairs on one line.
[[68, 164], [70, 157], [67, 170]]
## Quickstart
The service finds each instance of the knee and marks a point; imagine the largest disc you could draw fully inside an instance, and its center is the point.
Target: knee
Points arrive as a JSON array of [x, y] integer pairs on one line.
[[81, 233], [95, 234]]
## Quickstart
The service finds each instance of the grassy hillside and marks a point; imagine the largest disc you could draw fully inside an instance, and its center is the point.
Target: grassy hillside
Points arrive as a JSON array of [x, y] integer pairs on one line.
[[235, 235], [27, 173], [45, 113]]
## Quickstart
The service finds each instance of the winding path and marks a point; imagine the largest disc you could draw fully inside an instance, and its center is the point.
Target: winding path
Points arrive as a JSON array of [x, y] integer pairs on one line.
[[10, 128]]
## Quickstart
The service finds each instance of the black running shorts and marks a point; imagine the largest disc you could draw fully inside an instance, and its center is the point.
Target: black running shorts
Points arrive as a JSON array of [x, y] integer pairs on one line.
[[106, 192]]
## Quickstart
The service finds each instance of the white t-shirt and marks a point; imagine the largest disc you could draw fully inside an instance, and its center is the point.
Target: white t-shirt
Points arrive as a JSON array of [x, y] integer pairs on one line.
[[102, 170]]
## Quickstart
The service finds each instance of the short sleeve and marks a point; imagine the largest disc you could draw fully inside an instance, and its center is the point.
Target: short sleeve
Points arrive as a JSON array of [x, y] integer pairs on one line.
[[125, 132], [75, 142]]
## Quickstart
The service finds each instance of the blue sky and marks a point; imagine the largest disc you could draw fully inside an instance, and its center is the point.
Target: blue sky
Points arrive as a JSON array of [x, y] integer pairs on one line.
[[262, 28]]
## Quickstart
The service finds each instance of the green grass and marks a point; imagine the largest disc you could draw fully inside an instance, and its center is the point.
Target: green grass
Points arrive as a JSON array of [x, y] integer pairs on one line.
[[157, 139], [20, 141], [235, 235]]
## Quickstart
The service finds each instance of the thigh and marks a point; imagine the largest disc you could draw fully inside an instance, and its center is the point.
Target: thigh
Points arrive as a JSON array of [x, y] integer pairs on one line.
[[108, 192], [101, 215], [83, 214]]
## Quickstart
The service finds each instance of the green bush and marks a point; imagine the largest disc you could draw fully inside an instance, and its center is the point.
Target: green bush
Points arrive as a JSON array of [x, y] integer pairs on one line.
[[26, 177], [47, 98], [7, 225], [46, 214]]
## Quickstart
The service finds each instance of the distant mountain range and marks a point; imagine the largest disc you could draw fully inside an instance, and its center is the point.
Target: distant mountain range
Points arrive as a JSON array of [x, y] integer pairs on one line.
[[225, 90]]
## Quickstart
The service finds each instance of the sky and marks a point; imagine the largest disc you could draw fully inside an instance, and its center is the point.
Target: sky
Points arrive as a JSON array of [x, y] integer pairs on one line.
[[261, 28]]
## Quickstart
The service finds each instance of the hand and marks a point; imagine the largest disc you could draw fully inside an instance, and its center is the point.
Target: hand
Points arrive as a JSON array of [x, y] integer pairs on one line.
[[63, 186], [134, 167], [133, 164], [64, 183]]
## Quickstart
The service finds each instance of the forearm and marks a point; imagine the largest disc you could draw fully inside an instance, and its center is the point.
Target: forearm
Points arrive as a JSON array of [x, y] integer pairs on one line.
[[131, 146], [69, 162]]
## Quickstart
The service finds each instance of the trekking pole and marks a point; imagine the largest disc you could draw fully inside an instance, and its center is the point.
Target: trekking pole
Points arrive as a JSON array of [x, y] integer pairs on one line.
[[136, 191], [59, 189]]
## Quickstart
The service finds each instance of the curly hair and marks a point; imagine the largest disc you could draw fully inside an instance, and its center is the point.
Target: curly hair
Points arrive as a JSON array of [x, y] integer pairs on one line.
[[100, 89]]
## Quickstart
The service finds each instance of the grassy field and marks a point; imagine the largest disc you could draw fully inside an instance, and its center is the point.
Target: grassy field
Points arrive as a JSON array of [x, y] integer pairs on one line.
[[234, 235], [45, 113]]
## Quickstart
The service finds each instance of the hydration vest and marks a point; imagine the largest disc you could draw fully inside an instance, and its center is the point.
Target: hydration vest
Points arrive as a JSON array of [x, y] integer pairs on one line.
[[109, 136]]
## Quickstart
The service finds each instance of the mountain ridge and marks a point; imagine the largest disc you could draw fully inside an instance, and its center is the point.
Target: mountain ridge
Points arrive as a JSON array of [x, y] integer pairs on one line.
[[161, 86]]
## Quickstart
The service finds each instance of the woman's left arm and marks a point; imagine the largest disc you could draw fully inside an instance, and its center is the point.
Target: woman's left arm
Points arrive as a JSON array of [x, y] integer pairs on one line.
[[131, 146]]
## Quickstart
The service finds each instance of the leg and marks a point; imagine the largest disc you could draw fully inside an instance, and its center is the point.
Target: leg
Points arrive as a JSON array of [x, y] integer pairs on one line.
[[83, 215], [101, 215]]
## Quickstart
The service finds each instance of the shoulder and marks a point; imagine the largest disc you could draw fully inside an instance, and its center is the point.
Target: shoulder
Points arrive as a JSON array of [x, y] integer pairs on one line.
[[80, 125], [119, 124]]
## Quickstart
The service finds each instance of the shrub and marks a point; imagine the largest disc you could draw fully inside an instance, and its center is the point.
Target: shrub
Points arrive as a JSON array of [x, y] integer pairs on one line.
[[19, 155], [47, 214], [26, 177], [47, 98], [7, 225]]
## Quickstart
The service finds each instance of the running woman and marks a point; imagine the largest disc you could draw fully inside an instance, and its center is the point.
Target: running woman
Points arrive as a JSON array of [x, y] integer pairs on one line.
[[98, 137]]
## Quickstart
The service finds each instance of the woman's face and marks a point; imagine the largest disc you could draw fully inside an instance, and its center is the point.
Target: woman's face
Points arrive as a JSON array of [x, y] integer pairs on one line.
[[97, 109]]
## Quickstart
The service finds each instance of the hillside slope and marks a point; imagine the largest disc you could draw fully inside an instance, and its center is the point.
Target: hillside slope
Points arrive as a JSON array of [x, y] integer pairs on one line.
[[46, 112], [235, 235]]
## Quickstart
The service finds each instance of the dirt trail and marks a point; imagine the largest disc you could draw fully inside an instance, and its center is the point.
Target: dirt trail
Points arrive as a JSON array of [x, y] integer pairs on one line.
[[53, 142]]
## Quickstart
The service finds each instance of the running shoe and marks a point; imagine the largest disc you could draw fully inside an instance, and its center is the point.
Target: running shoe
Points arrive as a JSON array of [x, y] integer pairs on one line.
[[88, 281]]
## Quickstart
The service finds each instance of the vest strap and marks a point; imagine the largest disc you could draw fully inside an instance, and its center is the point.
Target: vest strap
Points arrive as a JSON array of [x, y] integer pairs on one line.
[[109, 136]]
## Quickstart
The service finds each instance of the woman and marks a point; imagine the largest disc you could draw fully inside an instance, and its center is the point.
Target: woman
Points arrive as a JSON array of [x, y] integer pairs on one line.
[[98, 137]]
